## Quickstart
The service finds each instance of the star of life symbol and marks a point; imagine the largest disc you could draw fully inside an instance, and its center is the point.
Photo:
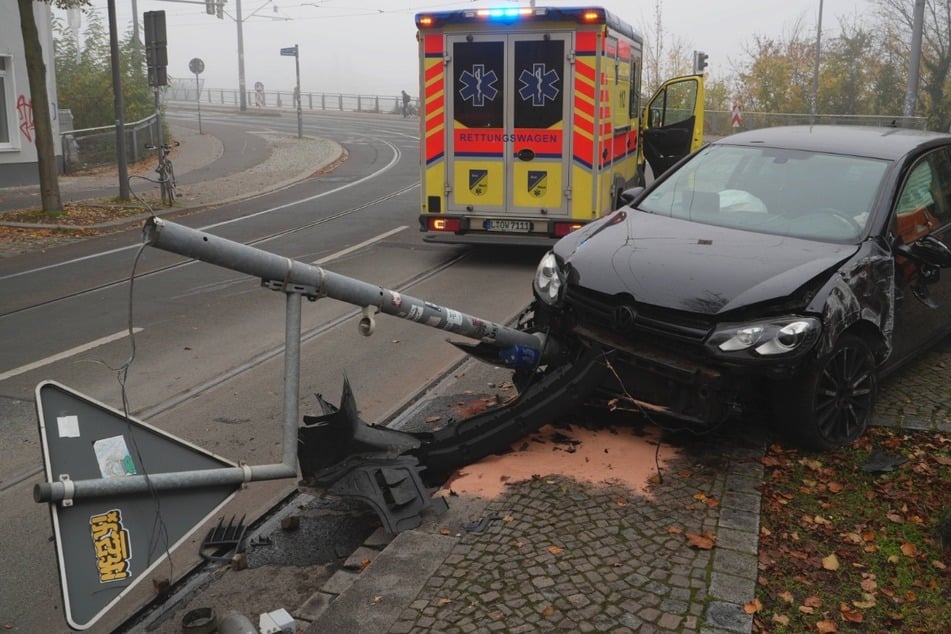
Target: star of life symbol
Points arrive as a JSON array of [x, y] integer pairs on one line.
[[478, 85], [538, 85]]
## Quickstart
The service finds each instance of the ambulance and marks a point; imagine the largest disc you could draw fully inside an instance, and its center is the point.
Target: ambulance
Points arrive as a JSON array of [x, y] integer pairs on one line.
[[531, 122]]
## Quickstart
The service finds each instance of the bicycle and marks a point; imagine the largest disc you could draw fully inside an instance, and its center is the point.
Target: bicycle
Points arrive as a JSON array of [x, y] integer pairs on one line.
[[165, 171]]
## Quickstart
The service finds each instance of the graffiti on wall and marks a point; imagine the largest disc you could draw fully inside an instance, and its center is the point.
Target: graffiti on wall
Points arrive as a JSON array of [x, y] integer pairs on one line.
[[25, 113]]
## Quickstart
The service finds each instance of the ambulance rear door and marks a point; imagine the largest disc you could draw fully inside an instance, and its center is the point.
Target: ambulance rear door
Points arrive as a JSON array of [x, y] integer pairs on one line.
[[509, 153]]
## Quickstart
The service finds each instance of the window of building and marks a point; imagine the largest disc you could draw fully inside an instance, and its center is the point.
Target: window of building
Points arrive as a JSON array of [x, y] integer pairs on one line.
[[7, 115]]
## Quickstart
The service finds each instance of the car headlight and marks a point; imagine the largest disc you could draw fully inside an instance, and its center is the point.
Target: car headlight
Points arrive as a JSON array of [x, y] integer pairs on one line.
[[549, 280], [790, 336]]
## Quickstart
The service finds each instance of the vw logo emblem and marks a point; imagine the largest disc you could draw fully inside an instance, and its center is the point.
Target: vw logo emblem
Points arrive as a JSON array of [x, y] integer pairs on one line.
[[623, 317]]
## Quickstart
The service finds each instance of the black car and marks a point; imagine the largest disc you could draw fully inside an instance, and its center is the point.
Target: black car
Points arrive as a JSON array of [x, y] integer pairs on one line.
[[783, 267]]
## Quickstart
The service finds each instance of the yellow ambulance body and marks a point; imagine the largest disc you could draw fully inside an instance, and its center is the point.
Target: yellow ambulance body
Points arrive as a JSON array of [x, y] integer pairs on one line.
[[529, 121]]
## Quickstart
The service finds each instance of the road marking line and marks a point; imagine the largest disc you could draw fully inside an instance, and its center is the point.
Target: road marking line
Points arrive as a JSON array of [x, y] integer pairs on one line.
[[357, 247], [67, 353]]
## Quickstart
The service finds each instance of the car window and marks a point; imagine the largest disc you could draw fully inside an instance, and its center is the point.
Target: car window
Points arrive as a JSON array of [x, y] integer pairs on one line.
[[674, 105], [803, 194], [923, 203], [942, 185]]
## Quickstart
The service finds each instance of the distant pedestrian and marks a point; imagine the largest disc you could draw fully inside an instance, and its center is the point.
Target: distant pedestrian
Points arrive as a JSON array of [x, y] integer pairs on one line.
[[406, 99]]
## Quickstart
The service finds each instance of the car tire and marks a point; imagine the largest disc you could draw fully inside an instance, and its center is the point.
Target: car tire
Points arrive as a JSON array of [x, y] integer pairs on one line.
[[830, 404]]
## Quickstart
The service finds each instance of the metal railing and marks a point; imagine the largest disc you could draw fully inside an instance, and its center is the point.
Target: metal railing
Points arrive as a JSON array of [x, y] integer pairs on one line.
[[716, 122], [284, 99], [187, 91], [96, 147], [720, 122]]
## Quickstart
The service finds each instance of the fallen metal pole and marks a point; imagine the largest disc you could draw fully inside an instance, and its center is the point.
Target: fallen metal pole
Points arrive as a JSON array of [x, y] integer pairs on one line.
[[281, 273], [296, 279]]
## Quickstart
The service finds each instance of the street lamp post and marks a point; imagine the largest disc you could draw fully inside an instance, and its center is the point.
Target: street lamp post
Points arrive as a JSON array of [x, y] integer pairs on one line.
[[815, 73], [242, 100]]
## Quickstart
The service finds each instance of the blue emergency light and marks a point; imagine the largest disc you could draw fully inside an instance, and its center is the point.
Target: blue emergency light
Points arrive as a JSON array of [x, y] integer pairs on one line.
[[508, 15]]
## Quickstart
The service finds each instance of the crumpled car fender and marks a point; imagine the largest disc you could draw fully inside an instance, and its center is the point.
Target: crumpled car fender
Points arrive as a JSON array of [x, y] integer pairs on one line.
[[871, 276]]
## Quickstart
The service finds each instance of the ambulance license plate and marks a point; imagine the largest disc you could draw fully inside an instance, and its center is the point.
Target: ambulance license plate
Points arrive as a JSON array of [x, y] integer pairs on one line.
[[514, 226]]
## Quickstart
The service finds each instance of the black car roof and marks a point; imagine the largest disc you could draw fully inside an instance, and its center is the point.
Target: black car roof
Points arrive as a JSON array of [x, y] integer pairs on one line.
[[883, 143]]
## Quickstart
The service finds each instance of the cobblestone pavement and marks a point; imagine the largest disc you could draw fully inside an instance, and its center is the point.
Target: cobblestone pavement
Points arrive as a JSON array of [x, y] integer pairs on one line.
[[570, 557], [557, 555], [918, 395]]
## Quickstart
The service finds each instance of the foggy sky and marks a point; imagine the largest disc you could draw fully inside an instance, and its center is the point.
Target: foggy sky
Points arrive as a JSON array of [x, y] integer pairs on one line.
[[368, 47]]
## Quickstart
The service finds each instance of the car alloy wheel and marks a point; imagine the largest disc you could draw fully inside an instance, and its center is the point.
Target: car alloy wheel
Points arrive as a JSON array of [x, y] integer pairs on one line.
[[831, 404]]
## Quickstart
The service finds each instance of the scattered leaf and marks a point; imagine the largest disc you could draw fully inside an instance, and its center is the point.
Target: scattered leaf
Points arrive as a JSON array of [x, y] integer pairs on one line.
[[831, 562], [780, 619], [752, 607], [852, 616], [908, 549], [826, 627], [556, 550], [706, 541]]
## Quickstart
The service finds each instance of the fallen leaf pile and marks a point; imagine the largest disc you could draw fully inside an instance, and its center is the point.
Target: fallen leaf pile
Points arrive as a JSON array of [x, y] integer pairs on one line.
[[847, 549]]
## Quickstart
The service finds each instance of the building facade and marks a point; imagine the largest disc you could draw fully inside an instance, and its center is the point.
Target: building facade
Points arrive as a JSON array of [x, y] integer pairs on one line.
[[18, 156]]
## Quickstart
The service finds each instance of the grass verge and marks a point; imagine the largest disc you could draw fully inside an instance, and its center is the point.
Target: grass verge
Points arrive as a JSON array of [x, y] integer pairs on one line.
[[857, 540]]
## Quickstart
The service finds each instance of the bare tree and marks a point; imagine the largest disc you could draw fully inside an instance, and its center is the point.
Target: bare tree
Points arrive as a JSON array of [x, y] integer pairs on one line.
[[664, 56], [42, 120]]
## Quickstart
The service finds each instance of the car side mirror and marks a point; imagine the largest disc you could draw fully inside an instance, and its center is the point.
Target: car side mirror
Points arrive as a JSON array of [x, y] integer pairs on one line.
[[928, 250], [628, 195]]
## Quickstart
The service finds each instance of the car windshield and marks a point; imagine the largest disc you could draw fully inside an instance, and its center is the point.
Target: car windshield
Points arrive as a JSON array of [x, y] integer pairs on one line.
[[785, 192]]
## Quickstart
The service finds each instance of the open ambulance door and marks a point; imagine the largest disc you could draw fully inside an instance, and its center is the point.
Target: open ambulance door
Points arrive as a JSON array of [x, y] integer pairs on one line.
[[671, 124]]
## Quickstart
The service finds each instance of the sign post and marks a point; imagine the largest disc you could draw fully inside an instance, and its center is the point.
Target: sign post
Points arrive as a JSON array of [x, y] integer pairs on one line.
[[737, 118], [295, 51], [197, 66]]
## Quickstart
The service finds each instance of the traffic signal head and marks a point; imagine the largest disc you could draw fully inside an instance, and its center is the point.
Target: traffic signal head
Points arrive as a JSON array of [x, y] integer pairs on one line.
[[699, 62], [156, 55]]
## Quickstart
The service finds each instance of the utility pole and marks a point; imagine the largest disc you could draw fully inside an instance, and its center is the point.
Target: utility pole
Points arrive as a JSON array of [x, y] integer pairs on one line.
[[911, 92], [136, 42], [119, 106]]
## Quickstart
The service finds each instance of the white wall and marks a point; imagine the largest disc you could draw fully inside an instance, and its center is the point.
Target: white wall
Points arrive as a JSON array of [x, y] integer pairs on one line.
[[18, 151]]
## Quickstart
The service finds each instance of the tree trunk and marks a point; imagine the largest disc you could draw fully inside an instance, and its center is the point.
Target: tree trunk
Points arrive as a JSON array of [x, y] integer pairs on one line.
[[36, 72]]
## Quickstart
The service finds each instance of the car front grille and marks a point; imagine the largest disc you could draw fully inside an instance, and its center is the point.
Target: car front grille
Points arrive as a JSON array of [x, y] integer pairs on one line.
[[598, 310]]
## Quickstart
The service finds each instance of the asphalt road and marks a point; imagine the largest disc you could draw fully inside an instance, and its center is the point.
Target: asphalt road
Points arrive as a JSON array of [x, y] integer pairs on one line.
[[207, 365]]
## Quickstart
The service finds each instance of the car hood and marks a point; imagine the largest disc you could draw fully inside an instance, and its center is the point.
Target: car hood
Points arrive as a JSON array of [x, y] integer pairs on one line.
[[684, 265]]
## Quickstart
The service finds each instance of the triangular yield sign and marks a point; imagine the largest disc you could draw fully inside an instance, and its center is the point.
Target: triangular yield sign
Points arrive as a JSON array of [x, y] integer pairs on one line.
[[107, 545]]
